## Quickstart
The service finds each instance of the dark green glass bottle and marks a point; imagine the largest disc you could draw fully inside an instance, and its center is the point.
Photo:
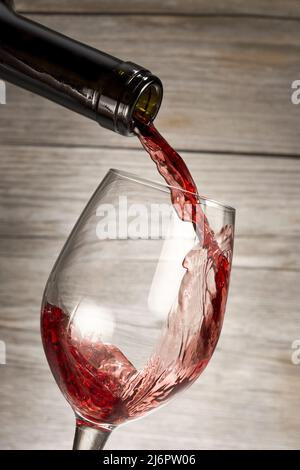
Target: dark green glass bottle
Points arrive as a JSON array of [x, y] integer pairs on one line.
[[97, 85]]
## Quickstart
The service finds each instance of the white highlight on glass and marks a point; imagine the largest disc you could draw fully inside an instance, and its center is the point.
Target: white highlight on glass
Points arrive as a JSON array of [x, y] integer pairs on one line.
[[89, 320], [167, 278]]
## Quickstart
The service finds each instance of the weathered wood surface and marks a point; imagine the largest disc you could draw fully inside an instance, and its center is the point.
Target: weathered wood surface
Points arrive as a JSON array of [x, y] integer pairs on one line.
[[37, 181], [227, 94], [251, 383], [227, 83], [247, 398], [289, 8]]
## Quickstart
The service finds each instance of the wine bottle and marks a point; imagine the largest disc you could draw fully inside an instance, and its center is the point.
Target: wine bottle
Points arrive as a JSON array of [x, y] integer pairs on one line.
[[97, 85]]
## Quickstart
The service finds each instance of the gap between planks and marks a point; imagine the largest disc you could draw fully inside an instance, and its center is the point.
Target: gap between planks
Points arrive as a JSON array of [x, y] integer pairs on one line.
[[163, 14], [231, 153]]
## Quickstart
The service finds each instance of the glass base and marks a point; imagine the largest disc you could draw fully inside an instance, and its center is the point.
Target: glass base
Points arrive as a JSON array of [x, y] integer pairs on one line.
[[87, 438]]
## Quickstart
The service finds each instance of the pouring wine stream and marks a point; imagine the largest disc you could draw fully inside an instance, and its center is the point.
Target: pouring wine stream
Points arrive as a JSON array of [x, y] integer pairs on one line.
[[99, 381]]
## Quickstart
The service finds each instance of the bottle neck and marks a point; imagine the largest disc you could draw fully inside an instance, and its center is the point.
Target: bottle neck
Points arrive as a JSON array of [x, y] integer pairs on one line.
[[90, 82]]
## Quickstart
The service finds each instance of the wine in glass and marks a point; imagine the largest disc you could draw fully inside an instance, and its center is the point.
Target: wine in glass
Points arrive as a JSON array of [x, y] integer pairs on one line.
[[134, 305]]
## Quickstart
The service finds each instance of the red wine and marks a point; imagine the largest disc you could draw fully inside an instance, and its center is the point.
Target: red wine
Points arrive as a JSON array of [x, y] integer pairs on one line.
[[100, 383], [88, 374], [183, 188]]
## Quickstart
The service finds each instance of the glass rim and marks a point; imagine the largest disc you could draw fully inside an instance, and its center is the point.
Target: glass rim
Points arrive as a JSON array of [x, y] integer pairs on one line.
[[166, 188]]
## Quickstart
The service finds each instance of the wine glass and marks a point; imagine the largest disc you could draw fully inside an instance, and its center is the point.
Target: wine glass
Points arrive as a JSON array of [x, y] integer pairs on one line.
[[134, 305]]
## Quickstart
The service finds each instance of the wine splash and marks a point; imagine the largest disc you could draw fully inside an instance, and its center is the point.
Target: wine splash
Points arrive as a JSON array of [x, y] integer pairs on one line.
[[100, 383]]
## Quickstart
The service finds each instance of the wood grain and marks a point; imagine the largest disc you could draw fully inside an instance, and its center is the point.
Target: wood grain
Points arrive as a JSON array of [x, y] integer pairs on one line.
[[251, 383], [36, 181], [247, 398], [227, 84], [227, 74], [289, 8]]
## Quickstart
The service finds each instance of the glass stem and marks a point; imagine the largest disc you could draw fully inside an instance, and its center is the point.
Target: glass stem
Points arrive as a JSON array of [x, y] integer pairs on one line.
[[87, 438]]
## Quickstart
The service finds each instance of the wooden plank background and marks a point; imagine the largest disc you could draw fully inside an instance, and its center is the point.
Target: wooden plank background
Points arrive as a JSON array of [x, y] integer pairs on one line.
[[287, 9], [227, 74], [227, 83]]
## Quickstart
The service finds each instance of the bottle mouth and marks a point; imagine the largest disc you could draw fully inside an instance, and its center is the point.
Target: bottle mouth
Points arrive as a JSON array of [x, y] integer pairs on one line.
[[140, 102], [148, 104], [131, 94]]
